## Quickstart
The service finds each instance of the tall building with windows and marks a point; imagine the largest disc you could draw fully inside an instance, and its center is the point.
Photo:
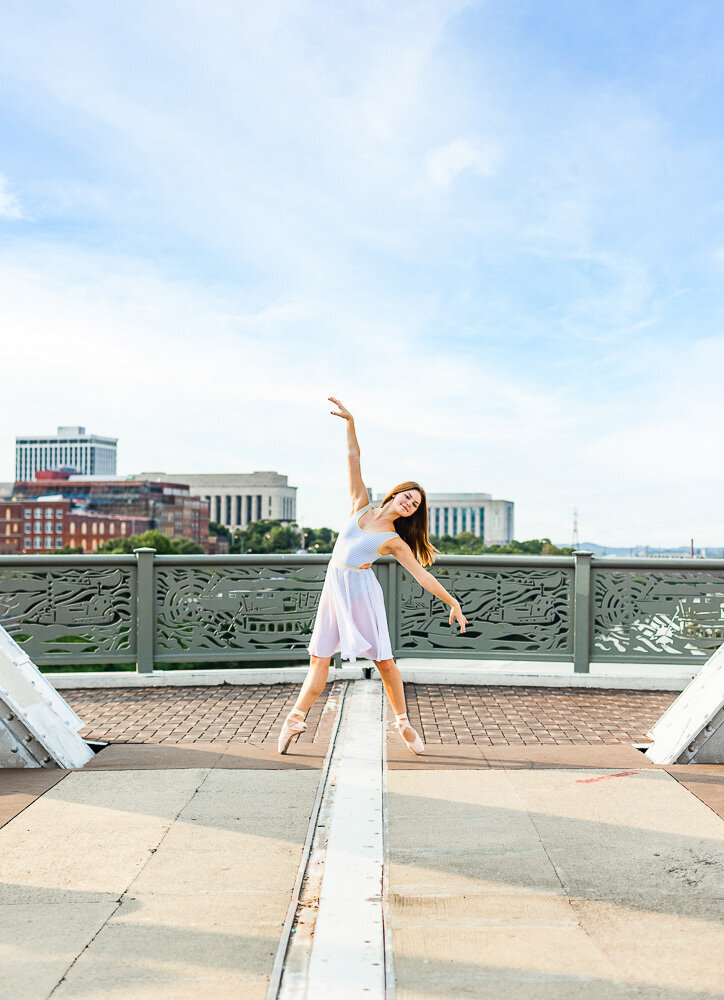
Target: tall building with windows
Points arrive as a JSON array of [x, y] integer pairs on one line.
[[71, 448], [236, 500], [453, 513]]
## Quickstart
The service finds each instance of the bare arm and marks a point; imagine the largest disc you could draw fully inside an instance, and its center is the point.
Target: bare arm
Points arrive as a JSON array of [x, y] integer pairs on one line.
[[405, 557], [357, 488]]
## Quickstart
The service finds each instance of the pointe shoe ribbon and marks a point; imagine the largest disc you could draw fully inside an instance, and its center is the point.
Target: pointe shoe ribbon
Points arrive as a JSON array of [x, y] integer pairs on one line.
[[292, 726], [415, 745]]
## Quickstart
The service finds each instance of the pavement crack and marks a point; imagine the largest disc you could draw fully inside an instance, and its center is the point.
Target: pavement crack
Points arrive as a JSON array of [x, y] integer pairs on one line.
[[545, 850], [87, 945], [121, 899]]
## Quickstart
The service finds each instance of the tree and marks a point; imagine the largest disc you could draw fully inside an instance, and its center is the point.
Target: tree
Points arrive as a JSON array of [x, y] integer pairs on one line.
[[468, 544], [269, 536], [319, 540], [151, 540], [185, 547]]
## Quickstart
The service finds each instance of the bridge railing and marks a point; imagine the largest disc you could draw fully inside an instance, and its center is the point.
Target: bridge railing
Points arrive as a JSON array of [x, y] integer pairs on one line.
[[153, 610]]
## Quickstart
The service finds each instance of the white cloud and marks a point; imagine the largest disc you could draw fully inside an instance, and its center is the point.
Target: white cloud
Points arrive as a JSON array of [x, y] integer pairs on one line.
[[446, 163], [9, 204], [282, 163], [194, 380]]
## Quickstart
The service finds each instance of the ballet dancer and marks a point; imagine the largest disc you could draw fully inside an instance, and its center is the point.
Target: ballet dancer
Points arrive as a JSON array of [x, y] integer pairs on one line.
[[351, 615]]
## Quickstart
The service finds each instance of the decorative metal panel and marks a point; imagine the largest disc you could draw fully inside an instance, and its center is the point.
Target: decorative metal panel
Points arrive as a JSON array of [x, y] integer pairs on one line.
[[86, 612], [657, 612], [195, 608], [509, 611]]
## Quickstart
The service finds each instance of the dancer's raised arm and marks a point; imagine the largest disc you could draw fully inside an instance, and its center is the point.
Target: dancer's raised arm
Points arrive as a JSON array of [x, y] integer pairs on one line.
[[357, 488]]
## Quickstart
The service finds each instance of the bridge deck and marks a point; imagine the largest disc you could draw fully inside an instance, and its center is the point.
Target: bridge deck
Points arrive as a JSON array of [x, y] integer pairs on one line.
[[533, 850]]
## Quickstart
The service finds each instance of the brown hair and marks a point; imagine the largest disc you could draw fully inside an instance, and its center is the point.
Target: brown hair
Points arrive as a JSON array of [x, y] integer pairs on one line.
[[413, 529]]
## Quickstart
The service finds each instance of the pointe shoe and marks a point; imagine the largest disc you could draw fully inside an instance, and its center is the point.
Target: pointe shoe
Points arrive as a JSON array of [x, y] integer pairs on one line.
[[415, 745], [292, 726]]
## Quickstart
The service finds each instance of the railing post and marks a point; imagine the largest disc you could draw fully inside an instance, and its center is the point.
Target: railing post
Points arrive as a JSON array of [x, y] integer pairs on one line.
[[145, 610], [582, 613]]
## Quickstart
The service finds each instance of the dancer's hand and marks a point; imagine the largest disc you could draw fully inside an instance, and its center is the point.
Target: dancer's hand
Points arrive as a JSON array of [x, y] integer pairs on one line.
[[456, 614], [344, 412]]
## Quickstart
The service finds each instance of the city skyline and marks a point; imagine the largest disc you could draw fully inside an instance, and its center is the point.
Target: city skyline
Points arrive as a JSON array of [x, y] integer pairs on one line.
[[603, 545], [491, 230]]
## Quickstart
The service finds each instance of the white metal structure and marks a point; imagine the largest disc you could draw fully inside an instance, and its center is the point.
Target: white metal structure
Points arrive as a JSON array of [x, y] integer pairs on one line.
[[336, 949], [692, 729], [347, 960], [38, 728]]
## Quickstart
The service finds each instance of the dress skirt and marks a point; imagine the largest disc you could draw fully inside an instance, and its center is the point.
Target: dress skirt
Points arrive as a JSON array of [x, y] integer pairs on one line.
[[351, 617]]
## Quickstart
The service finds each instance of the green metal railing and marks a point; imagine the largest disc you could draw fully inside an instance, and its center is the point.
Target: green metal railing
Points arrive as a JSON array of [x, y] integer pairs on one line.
[[154, 610]]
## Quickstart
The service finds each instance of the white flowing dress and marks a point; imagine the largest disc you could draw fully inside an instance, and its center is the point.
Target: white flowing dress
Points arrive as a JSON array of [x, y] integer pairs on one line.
[[351, 617]]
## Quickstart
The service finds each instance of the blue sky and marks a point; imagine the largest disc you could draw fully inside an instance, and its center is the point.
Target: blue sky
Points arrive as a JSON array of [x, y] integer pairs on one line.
[[493, 229]]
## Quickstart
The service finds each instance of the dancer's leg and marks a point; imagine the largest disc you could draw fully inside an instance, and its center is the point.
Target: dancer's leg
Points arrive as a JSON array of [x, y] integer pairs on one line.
[[313, 683], [392, 681]]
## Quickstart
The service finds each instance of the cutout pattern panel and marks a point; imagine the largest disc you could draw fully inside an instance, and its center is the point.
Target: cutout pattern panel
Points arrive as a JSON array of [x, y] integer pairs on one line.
[[196, 607], [89, 611], [508, 610], [657, 612]]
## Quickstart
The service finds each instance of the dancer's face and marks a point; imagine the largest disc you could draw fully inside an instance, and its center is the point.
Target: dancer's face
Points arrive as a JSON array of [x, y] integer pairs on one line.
[[406, 503]]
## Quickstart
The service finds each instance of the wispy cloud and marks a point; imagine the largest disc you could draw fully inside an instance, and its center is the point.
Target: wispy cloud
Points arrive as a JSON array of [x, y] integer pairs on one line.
[[496, 251], [184, 350], [9, 204], [446, 163]]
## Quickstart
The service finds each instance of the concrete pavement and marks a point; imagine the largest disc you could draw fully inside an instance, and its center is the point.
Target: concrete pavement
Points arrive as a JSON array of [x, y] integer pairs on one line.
[[551, 883], [164, 870], [150, 884]]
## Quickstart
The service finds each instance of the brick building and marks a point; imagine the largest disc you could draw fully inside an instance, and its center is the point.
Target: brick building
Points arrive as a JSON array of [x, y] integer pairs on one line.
[[50, 522], [100, 503]]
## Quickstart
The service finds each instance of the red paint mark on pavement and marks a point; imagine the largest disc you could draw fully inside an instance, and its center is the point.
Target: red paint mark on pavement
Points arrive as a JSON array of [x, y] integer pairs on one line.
[[621, 774]]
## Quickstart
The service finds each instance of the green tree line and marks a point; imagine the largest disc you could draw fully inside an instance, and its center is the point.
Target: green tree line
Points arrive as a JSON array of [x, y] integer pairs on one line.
[[152, 539], [466, 543], [271, 536], [268, 536]]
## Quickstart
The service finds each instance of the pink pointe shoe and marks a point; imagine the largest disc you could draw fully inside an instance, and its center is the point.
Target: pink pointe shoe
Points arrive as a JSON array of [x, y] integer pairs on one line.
[[415, 745], [293, 725]]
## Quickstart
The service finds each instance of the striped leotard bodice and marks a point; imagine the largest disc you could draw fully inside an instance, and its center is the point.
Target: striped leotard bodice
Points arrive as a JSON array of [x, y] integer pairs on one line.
[[355, 546]]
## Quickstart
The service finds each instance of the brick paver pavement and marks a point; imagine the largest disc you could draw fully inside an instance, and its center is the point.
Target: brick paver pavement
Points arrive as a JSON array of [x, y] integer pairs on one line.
[[224, 713], [501, 715], [444, 714]]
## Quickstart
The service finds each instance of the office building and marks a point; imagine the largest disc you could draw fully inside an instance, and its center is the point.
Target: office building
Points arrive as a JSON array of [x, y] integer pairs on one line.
[[236, 500], [453, 513], [70, 449]]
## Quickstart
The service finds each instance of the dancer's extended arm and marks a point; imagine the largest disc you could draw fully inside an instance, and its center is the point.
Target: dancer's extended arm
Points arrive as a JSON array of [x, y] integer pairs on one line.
[[402, 552], [357, 488]]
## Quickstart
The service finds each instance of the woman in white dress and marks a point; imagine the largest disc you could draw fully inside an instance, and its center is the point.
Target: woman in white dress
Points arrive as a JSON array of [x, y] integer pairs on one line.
[[351, 615]]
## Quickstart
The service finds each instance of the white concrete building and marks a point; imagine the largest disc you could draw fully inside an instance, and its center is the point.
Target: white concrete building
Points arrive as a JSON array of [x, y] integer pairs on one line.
[[237, 499], [453, 513], [70, 448]]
